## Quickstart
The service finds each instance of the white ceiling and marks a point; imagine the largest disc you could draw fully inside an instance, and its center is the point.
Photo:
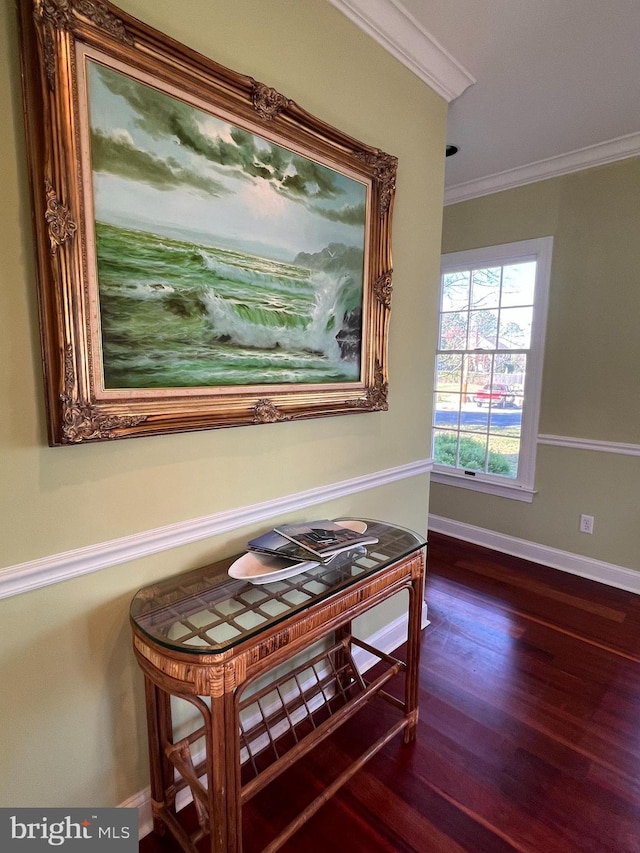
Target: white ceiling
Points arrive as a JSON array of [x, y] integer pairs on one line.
[[557, 82]]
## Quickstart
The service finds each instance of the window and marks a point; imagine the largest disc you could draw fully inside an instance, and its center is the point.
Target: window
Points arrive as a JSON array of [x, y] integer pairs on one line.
[[493, 306]]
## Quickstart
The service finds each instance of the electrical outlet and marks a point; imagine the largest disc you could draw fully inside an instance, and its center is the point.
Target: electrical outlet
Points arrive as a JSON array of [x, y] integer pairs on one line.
[[586, 524]]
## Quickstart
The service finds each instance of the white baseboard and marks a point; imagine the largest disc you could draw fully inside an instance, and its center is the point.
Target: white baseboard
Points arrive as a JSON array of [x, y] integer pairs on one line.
[[387, 639], [595, 570]]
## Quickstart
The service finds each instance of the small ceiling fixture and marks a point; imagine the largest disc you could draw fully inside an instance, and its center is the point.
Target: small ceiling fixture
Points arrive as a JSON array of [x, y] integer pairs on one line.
[[450, 150]]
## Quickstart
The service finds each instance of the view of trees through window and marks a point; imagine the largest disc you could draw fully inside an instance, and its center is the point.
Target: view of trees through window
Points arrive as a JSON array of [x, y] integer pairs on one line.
[[484, 341]]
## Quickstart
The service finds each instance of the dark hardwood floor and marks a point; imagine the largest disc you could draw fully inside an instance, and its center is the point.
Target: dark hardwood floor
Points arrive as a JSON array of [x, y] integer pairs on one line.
[[529, 733]]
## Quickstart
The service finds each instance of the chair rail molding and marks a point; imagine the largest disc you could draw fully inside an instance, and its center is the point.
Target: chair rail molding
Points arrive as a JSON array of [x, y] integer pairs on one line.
[[23, 577], [590, 444], [398, 32]]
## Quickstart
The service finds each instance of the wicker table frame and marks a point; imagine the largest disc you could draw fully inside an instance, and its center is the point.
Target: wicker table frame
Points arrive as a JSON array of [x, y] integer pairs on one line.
[[223, 677]]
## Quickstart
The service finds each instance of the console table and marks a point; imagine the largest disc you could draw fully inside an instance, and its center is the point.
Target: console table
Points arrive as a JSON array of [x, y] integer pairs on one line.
[[271, 671]]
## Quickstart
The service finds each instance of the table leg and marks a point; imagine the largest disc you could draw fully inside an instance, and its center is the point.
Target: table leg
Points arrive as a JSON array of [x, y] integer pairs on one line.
[[217, 777], [159, 731], [413, 658], [233, 780]]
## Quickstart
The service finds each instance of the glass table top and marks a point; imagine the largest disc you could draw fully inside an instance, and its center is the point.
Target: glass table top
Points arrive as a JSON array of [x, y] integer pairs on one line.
[[206, 611]]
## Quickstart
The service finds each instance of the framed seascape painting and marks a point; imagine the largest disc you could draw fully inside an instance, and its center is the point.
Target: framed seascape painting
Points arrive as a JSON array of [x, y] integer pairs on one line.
[[209, 254]]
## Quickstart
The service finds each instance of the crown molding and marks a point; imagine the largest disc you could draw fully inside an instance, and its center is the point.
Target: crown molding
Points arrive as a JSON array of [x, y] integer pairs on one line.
[[553, 167], [398, 32]]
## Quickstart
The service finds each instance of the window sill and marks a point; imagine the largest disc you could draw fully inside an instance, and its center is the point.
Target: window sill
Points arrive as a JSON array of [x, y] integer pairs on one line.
[[490, 487]]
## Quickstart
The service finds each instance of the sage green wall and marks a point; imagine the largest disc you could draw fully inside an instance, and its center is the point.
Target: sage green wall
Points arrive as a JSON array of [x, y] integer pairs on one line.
[[590, 384], [71, 711]]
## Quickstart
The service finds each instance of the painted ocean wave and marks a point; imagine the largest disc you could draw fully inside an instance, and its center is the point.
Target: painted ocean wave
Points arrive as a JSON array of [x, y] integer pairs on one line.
[[179, 314], [274, 275]]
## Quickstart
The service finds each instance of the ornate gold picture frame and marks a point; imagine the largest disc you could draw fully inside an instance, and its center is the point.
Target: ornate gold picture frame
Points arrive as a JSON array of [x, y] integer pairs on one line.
[[209, 254]]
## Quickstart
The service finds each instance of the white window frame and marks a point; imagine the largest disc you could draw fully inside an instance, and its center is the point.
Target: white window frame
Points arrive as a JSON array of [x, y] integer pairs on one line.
[[539, 250]]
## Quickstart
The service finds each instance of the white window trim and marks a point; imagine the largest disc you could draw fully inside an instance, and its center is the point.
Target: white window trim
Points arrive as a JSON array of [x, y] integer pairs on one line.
[[480, 484], [538, 249]]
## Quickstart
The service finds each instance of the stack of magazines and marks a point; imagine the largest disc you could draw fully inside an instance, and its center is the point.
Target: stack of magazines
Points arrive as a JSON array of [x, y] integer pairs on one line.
[[318, 541]]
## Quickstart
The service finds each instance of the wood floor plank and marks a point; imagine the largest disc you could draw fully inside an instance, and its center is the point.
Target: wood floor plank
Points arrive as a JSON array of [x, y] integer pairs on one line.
[[528, 736]]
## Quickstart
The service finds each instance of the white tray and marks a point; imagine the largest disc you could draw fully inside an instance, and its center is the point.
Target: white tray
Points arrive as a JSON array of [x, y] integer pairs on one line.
[[262, 568]]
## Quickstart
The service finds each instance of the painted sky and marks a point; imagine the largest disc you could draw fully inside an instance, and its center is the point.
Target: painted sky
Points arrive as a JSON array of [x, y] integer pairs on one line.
[[159, 163]]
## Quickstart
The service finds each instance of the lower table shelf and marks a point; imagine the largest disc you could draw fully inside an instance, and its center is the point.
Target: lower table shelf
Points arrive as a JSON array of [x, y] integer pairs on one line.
[[327, 697], [291, 714]]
